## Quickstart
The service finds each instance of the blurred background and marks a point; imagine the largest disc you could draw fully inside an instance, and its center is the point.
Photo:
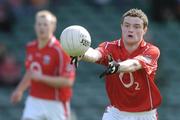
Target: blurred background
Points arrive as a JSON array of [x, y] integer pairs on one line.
[[102, 19]]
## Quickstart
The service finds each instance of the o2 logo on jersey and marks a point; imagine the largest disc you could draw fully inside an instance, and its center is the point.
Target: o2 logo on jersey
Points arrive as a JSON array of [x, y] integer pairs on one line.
[[131, 83]]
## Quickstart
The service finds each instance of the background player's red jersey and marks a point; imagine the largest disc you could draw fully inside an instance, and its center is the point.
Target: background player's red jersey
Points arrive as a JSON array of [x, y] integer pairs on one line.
[[53, 61], [133, 91]]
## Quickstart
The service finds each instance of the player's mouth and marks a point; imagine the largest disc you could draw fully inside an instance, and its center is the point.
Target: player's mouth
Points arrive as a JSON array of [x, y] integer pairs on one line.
[[130, 36], [41, 32]]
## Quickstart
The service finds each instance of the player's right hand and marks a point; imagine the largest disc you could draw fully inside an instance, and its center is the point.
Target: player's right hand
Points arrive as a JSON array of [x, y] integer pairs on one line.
[[75, 60], [16, 96]]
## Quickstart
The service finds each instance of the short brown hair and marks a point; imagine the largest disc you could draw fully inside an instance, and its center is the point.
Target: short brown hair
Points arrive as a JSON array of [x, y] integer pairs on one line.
[[47, 14], [136, 13]]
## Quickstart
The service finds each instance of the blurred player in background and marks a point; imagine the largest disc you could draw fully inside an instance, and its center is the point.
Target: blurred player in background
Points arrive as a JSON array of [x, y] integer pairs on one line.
[[131, 67], [48, 74]]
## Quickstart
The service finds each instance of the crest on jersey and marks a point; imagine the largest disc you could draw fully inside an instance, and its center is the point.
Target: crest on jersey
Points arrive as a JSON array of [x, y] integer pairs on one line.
[[46, 59], [29, 57]]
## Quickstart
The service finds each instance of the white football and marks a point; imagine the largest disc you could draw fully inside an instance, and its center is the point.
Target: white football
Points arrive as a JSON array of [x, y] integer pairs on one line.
[[75, 40]]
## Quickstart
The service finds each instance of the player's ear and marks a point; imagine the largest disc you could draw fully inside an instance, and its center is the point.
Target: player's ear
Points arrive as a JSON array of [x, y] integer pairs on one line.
[[145, 30], [53, 27], [121, 25], [35, 26]]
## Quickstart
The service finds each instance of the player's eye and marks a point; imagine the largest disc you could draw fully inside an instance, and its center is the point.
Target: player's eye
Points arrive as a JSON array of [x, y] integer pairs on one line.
[[127, 25], [39, 24], [45, 24], [137, 26]]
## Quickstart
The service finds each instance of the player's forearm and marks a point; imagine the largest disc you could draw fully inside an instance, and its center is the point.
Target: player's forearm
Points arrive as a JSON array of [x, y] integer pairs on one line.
[[130, 65], [24, 84], [92, 55], [57, 81]]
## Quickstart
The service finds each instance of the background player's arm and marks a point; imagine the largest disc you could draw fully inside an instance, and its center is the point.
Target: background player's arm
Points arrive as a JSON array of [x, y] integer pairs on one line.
[[18, 92], [53, 80], [25, 83], [58, 81], [92, 55], [66, 73]]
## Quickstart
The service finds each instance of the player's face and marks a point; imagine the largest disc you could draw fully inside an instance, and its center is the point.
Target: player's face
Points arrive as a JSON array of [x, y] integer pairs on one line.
[[43, 27], [132, 30]]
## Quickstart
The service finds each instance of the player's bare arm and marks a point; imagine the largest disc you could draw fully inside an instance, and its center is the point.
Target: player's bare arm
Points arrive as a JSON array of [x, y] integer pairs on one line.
[[129, 65], [126, 66], [92, 55], [18, 92]]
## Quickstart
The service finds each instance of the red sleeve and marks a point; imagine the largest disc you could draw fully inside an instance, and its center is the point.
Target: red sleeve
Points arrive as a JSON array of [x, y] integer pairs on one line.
[[65, 68], [149, 59], [102, 48]]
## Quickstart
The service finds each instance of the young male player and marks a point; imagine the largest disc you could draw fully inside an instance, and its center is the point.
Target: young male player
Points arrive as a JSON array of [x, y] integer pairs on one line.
[[131, 67], [48, 74]]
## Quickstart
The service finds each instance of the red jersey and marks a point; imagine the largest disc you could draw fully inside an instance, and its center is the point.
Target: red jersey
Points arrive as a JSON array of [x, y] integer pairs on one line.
[[133, 91], [53, 61]]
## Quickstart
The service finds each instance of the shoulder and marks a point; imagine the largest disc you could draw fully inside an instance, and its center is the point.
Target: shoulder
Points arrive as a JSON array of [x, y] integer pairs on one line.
[[108, 44], [152, 48], [54, 42], [55, 46], [58, 50], [31, 44]]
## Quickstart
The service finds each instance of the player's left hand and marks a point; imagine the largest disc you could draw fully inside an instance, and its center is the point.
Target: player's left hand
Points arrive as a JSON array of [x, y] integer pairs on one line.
[[112, 68], [36, 76]]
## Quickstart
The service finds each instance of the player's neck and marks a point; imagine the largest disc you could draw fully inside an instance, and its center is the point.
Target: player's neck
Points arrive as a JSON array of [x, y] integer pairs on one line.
[[131, 47], [43, 42]]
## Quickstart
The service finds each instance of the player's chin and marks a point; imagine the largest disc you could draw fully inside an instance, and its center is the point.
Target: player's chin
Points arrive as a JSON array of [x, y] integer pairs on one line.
[[131, 41], [42, 36]]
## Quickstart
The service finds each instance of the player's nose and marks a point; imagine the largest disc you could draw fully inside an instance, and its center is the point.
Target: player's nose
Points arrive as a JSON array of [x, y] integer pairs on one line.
[[130, 30]]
